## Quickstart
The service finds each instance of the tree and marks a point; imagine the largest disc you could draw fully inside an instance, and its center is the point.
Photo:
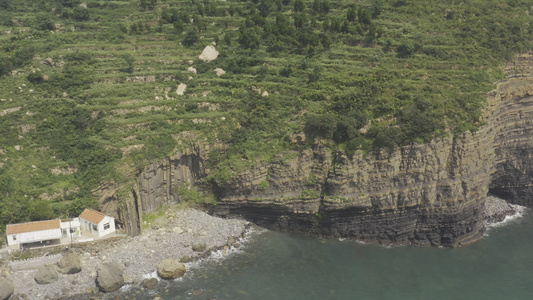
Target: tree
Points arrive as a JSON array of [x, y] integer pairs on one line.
[[377, 7], [299, 6], [5, 4], [325, 40], [179, 26], [80, 14], [129, 59], [148, 4], [351, 14], [405, 49], [191, 38], [35, 77], [320, 126], [249, 38], [44, 22]]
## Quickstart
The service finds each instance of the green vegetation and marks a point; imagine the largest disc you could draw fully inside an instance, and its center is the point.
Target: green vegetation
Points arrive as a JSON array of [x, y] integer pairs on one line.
[[88, 89]]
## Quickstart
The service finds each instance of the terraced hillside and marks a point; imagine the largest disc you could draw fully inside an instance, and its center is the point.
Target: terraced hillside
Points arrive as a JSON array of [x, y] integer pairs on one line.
[[92, 91]]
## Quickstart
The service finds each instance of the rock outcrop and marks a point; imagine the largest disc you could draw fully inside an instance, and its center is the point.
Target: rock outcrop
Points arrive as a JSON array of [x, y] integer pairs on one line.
[[170, 269], [69, 264], [46, 275], [6, 289], [109, 277]]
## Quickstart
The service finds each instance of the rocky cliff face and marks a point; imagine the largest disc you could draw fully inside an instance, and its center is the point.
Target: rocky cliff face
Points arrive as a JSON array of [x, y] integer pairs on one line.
[[159, 182], [423, 194], [426, 194], [513, 142], [429, 194]]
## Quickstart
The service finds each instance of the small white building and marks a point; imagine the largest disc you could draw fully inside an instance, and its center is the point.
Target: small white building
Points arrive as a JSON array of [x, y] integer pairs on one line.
[[70, 229], [40, 233], [97, 223]]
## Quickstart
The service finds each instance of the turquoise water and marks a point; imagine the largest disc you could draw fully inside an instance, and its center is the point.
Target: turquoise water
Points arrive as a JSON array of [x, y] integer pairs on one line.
[[283, 266]]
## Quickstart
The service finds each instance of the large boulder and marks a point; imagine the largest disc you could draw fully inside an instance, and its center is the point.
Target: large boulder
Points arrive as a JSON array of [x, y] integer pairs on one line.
[[110, 277], [46, 274], [6, 288], [209, 54], [170, 269], [69, 264]]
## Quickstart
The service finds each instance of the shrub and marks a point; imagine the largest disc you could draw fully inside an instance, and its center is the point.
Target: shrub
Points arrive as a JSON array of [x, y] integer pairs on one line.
[[35, 77], [320, 126], [80, 14]]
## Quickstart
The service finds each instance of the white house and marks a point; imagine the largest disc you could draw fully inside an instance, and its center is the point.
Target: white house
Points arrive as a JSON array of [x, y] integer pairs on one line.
[[38, 233], [97, 223], [70, 229]]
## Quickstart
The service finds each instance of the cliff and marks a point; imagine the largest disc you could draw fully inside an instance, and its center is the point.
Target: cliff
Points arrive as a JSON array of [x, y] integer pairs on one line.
[[427, 194]]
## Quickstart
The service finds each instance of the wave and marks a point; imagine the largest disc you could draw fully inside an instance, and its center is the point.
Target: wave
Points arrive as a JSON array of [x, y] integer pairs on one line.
[[511, 219]]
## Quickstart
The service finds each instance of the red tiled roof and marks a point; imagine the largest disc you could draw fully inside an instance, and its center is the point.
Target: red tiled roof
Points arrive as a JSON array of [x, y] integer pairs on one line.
[[33, 226], [92, 216]]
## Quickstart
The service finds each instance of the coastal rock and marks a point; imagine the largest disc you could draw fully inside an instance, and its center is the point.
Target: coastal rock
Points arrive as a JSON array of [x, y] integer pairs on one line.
[[170, 269], [110, 278], [46, 275], [150, 284], [6, 289], [186, 259], [69, 264], [201, 247], [497, 209]]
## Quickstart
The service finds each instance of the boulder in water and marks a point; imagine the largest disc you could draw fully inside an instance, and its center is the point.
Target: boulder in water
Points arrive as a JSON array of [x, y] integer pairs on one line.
[[110, 277], [170, 269], [199, 247], [150, 284]]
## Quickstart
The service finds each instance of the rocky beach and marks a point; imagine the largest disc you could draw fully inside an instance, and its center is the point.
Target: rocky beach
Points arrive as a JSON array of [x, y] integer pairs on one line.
[[183, 235]]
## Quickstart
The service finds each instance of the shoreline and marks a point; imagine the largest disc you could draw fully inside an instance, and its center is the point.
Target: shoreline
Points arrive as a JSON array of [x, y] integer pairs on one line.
[[170, 237]]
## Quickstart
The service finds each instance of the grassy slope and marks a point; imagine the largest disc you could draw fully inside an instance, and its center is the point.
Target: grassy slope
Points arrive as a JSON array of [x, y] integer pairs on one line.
[[109, 104]]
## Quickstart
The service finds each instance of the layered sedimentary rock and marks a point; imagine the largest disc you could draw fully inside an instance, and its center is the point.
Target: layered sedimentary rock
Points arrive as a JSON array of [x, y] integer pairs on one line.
[[426, 194], [513, 142]]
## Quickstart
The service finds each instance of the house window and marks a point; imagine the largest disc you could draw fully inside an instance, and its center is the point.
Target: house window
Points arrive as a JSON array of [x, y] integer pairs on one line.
[[14, 237], [95, 228], [72, 230], [106, 226]]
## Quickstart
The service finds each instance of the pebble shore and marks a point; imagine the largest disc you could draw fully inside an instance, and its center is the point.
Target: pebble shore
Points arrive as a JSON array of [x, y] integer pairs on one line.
[[172, 236]]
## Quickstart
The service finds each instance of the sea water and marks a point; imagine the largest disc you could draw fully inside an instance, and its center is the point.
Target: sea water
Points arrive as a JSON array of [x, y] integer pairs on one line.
[[278, 265]]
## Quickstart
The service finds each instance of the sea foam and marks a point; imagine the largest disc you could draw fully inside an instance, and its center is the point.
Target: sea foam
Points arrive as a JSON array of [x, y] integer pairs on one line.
[[516, 217]]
